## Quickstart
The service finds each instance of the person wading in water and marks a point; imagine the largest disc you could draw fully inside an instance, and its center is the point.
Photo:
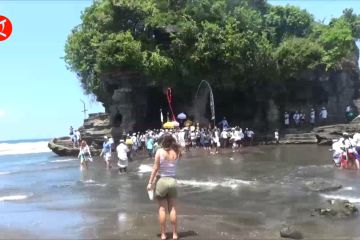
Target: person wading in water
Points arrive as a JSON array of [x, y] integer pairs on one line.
[[163, 177]]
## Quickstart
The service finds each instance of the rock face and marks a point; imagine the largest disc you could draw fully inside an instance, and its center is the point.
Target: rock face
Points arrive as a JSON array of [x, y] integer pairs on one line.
[[337, 209], [93, 131], [132, 102], [325, 134], [290, 232], [322, 186], [125, 101], [63, 147], [95, 127]]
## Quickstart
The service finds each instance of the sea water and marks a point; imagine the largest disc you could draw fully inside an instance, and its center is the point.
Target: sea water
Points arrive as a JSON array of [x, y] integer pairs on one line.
[[250, 194]]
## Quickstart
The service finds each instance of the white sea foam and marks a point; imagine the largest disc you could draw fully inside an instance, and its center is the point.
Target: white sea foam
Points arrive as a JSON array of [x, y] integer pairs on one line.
[[348, 188], [340, 197], [89, 181], [99, 185], [13, 198], [144, 168], [227, 183], [23, 148], [64, 160]]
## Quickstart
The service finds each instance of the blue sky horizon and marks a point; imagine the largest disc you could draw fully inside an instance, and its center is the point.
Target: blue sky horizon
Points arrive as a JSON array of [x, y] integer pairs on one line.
[[39, 97]]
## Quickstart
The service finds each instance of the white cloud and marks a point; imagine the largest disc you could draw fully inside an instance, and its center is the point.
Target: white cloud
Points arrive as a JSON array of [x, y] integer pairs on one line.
[[2, 113]]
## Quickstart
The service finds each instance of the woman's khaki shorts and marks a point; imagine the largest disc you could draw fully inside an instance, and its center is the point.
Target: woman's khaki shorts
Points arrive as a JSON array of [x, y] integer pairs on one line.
[[166, 187]]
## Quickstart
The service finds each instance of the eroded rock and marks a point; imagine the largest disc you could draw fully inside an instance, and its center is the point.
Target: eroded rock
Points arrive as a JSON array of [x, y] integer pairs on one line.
[[322, 186], [290, 232]]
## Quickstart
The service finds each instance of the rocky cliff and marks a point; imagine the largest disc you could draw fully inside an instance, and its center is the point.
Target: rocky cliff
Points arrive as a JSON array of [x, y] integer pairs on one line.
[[133, 105], [95, 127]]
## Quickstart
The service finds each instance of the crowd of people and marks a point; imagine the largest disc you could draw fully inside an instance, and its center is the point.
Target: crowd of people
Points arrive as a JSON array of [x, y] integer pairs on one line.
[[346, 151], [190, 137], [210, 139], [299, 118]]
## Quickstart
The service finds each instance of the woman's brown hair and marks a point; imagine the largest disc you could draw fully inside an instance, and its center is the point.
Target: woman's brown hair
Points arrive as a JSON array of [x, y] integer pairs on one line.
[[168, 142]]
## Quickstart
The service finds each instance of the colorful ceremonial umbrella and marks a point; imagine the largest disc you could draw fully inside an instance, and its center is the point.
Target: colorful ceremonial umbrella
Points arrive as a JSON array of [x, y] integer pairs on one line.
[[181, 116], [168, 125], [188, 123], [175, 124]]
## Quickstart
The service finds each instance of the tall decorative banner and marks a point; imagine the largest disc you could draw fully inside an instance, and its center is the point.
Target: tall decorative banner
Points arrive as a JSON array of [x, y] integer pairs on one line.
[[170, 99], [211, 95], [161, 116]]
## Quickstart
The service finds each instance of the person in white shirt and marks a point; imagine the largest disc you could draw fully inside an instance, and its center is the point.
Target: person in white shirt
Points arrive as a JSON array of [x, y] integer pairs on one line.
[[296, 118], [286, 119], [181, 138], [323, 115], [312, 116], [78, 137], [237, 138], [223, 138], [250, 134], [122, 154], [338, 150], [135, 142], [276, 136], [215, 140]]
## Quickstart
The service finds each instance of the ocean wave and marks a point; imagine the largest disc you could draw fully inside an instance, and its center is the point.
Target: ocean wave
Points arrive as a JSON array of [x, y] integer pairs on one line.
[[13, 198], [227, 183], [341, 197], [64, 160], [91, 182], [144, 168], [23, 148], [88, 181]]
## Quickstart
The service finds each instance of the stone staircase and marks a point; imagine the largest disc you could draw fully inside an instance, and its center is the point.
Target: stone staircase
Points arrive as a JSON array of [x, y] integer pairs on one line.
[[299, 138]]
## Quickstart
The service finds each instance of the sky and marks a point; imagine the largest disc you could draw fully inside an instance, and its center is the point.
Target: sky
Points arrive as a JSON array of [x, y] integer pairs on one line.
[[39, 96]]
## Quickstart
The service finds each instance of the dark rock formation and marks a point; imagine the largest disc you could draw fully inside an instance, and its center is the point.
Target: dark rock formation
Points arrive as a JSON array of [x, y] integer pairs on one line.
[[125, 101], [93, 131], [290, 232], [337, 209], [133, 102], [320, 185], [63, 147], [95, 127], [325, 134]]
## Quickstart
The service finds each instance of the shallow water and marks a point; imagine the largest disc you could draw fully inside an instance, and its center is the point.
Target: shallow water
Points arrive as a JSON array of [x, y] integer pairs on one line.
[[246, 195]]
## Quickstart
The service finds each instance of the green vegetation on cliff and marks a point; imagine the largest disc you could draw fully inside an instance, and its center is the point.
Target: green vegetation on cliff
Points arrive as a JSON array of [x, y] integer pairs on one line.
[[231, 43]]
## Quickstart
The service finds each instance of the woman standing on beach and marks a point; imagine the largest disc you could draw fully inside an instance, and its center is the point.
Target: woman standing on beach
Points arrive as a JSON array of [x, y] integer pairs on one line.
[[163, 176], [84, 154]]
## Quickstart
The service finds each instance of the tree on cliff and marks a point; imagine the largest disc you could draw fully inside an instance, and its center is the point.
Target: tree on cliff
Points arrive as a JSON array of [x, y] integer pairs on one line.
[[242, 44]]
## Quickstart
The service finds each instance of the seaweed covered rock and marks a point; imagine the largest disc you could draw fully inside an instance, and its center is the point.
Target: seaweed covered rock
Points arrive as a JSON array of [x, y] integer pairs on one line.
[[337, 209]]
